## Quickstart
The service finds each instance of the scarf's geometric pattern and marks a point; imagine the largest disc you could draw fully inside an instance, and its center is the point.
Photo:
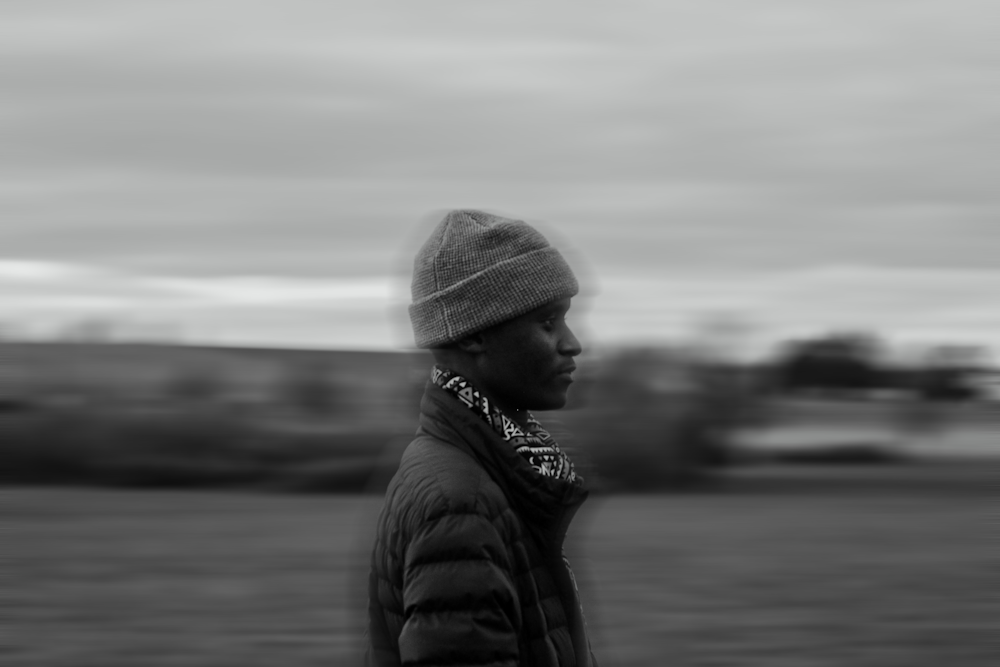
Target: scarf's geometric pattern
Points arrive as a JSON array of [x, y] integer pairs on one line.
[[536, 446]]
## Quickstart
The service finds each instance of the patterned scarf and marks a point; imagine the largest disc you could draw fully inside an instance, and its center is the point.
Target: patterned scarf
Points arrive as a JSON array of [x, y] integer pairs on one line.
[[536, 446]]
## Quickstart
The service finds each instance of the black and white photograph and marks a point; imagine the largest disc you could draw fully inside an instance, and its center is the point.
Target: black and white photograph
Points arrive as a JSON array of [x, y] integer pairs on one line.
[[499, 334]]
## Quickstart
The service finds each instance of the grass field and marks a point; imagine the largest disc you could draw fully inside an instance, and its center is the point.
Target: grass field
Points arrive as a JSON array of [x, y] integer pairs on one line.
[[889, 565]]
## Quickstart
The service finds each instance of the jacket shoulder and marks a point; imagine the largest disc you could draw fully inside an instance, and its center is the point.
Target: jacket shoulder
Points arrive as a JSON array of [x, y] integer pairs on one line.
[[436, 478]]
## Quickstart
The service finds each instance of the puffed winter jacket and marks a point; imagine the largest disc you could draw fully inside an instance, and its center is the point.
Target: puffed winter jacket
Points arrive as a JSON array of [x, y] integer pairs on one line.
[[467, 565]]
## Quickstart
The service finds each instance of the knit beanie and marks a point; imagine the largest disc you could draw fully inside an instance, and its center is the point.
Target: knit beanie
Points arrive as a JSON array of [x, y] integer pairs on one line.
[[479, 269]]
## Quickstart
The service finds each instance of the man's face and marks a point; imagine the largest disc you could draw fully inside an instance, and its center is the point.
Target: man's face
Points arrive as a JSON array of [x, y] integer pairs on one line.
[[527, 361]]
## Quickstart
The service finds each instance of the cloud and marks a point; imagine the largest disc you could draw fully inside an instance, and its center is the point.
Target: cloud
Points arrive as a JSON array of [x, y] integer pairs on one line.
[[48, 298], [274, 292], [217, 140], [665, 307], [901, 304], [28, 271]]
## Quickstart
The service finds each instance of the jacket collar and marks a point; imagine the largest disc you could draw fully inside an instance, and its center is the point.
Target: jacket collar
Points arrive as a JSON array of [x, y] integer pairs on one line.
[[546, 504]]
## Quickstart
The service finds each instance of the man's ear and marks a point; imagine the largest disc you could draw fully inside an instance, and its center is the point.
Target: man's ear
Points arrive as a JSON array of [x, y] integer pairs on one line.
[[474, 343]]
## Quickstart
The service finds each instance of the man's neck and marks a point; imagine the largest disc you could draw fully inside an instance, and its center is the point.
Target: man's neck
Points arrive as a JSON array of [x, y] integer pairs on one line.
[[517, 415]]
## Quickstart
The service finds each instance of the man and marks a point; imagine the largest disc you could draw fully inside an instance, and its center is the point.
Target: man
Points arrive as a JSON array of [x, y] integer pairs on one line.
[[467, 566]]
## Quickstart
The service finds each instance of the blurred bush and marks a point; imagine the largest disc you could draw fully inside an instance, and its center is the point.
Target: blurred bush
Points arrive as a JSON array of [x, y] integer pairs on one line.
[[639, 419], [311, 389], [652, 419], [194, 385], [184, 447], [173, 415]]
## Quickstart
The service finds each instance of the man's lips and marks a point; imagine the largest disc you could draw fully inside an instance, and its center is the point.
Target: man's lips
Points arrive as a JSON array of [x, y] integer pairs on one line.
[[567, 371]]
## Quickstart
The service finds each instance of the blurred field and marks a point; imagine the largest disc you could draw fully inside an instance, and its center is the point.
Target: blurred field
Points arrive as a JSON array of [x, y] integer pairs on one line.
[[829, 531], [893, 566]]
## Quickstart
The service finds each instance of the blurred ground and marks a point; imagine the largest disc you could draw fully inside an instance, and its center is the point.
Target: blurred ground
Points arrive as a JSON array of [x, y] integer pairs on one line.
[[834, 531], [898, 569]]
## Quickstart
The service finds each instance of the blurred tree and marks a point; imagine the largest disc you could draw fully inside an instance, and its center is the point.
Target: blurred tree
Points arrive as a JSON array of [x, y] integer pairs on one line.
[[194, 385], [836, 362], [656, 417], [950, 371], [310, 388]]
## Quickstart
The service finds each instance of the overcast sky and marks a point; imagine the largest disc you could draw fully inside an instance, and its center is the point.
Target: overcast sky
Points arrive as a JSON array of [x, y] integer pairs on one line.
[[262, 172]]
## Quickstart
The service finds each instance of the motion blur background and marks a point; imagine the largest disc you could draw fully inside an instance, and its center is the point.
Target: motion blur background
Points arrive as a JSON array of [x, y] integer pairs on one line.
[[784, 216]]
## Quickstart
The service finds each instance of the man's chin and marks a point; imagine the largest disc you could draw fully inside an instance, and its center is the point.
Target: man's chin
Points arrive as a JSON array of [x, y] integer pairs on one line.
[[551, 403]]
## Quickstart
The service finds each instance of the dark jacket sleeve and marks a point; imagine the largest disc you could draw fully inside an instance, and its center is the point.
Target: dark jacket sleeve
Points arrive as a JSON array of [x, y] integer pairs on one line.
[[459, 599]]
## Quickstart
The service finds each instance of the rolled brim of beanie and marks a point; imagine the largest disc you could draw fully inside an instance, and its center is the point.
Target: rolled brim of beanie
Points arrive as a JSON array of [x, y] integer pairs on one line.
[[501, 292]]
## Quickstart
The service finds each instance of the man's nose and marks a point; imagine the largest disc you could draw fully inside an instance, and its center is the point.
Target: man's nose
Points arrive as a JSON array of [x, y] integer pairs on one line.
[[569, 345]]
